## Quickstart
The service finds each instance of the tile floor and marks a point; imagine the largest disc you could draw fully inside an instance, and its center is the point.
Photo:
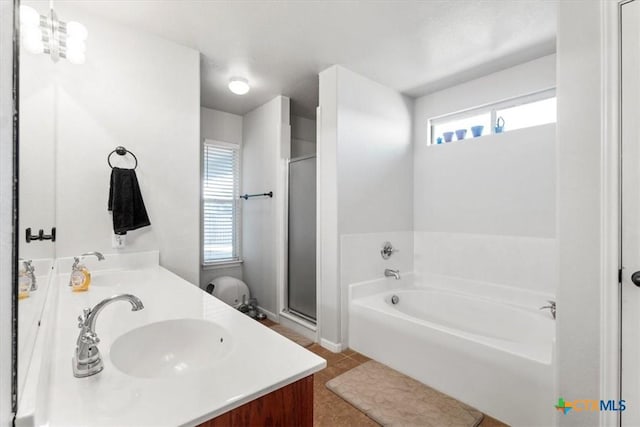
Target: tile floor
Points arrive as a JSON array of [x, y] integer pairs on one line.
[[329, 410]]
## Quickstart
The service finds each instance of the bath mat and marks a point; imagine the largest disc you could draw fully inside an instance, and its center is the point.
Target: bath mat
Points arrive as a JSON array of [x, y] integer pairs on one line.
[[293, 336], [393, 399]]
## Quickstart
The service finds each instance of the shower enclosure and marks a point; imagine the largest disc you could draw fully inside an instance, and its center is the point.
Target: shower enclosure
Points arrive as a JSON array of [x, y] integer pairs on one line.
[[301, 286]]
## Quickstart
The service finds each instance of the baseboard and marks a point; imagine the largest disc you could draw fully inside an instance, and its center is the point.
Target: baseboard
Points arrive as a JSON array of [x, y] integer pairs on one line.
[[271, 316], [334, 347]]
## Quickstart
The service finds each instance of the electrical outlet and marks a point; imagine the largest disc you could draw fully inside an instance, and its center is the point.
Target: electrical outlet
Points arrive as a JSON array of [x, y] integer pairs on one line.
[[118, 241]]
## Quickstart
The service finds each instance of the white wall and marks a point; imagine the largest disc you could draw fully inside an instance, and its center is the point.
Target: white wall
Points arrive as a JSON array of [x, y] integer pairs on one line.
[[141, 92], [266, 136], [220, 126], [6, 210], [485, 209], [303, 136], [580, 207], [226, 127], [365, 152]]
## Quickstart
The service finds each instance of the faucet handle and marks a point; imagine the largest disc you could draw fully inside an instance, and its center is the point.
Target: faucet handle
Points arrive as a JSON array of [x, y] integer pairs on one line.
[[28, 265], [82, 319], [387, 250], [90, 337], [551, 307]]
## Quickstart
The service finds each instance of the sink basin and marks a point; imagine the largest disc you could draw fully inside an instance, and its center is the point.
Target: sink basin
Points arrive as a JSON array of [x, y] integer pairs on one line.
[[170, 348]]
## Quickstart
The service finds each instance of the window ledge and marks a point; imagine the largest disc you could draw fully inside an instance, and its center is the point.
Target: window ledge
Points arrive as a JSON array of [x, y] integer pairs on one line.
[[222, 264]]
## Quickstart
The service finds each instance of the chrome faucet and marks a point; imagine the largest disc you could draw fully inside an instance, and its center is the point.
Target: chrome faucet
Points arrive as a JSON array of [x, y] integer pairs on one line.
[[76, 261], [551, 307], [388, 272], [30, 269], [87, 360]]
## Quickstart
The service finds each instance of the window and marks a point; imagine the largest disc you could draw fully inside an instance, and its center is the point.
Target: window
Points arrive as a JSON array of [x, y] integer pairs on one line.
[[517, 113], [220, 202]]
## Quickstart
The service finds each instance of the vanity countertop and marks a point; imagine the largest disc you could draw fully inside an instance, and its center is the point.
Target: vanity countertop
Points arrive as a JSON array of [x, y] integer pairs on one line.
[[257, 362]]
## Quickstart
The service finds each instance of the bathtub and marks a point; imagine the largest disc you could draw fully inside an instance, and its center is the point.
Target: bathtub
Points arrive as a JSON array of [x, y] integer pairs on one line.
[[495, 355]]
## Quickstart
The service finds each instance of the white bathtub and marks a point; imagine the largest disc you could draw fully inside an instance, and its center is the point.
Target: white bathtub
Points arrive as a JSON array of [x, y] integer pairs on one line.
[[494, 355]]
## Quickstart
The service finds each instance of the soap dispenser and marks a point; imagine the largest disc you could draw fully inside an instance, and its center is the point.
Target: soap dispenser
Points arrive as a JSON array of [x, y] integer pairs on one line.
[[80, 279], [26, 279], [24, 283]]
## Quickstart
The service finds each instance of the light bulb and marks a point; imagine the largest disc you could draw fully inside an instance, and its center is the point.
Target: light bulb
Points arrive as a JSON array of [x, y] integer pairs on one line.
[[32, 41], [75, 57], [75, 45], [29, 17], [77, 30], [239, 85]]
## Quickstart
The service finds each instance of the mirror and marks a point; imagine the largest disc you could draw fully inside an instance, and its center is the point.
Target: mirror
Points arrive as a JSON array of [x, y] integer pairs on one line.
[[37, 189]]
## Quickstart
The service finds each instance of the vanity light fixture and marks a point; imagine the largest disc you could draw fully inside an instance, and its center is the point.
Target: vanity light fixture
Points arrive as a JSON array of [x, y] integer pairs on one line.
[[47, 34], [239, 85]]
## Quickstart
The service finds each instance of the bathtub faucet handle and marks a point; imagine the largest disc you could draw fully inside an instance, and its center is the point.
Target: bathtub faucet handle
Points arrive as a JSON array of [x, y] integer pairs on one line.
[[387, 250], [551, 307]]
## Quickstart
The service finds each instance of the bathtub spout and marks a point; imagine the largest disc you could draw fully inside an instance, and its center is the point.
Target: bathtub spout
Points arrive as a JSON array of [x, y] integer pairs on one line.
[[388, 272]]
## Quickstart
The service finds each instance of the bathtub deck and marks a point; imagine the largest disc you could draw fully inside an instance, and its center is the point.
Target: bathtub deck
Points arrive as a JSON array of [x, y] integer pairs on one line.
[[329, 410]]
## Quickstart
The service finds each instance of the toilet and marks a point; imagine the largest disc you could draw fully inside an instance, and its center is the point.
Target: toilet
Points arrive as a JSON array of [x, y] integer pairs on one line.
[[230, 290]]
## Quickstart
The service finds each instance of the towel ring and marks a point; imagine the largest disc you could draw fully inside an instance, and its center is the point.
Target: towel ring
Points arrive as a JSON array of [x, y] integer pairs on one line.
[[121, 151]]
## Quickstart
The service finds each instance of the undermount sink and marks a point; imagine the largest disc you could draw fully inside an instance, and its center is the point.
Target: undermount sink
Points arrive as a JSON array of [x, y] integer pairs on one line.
[[170, 348]]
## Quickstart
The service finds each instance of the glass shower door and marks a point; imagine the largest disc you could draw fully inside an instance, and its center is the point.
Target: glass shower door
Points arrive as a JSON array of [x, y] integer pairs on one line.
[[302, 237]]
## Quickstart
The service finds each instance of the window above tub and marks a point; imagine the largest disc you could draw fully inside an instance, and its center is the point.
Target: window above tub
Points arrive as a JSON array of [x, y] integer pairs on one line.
[[534, 109]]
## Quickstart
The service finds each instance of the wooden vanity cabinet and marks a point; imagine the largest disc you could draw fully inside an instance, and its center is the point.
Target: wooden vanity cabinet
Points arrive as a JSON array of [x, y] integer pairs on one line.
[[290, 405]]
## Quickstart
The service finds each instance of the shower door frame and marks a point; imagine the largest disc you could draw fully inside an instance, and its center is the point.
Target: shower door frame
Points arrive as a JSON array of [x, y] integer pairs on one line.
[[285, 310], [625, 284]]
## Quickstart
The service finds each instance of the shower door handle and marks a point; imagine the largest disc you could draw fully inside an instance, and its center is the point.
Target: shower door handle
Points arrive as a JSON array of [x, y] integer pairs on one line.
[[635, 278]]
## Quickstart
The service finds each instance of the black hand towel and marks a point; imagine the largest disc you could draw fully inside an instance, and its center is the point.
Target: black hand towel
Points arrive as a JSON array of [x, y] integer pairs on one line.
[[125, 201]]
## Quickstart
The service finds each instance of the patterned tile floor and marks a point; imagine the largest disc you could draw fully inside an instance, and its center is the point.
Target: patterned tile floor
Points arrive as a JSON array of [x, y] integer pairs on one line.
[[329, 410]]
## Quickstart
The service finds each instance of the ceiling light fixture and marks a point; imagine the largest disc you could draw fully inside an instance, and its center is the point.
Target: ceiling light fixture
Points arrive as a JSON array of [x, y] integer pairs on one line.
[[239, 85], [47, 34]]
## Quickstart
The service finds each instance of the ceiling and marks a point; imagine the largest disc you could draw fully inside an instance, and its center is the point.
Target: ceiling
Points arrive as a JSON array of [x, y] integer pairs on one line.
[[415, 47]]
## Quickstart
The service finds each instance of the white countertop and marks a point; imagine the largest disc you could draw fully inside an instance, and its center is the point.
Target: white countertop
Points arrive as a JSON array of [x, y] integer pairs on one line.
[[259, 361]]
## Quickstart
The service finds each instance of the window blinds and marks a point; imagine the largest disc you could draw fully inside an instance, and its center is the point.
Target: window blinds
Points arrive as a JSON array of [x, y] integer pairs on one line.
[[220, 202]]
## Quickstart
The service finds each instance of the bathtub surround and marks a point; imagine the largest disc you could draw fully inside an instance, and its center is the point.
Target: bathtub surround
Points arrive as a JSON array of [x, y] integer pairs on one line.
[[522, 263], [226, 127], [266, 143], [160, 126], [365, 185], [360, 260]]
